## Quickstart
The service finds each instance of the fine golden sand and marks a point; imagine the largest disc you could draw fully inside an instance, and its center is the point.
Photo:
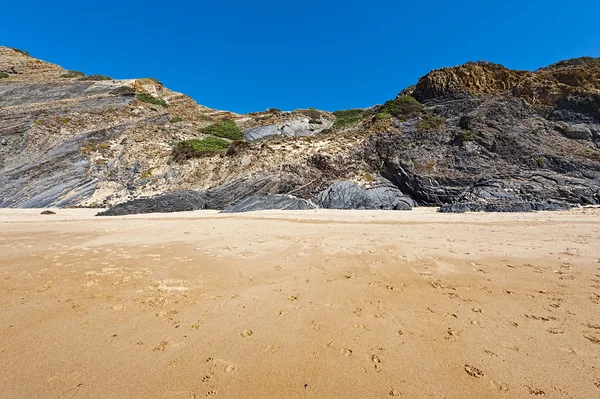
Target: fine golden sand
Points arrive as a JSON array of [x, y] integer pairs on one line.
[[307, 304]]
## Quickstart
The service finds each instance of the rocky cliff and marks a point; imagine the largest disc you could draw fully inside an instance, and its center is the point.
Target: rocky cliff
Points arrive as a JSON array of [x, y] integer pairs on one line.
[[473, 137]]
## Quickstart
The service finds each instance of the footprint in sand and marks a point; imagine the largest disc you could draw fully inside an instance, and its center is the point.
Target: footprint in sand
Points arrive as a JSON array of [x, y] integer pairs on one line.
[[535, 391], [246, 333], [206, 378], [346, 352], [473, 371], [450, 333], [592, 338], [160, 347], [376, 362]]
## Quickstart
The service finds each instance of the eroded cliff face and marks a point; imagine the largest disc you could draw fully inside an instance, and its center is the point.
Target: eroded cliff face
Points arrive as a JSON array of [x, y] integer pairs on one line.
[[484, 135], [67, 139], [548, 86]]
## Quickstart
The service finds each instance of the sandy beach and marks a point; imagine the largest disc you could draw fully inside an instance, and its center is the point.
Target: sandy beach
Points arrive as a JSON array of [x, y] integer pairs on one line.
[[300, 304]]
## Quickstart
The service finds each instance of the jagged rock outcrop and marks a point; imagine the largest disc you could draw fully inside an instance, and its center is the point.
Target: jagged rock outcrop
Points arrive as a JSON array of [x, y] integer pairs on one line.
[[297, 127], [348, 195], [483, 138], [270, 202], [261, 132], [177, 201]]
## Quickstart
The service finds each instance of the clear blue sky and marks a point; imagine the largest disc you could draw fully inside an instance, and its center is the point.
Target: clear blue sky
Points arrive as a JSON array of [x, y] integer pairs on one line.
[[250, 55]]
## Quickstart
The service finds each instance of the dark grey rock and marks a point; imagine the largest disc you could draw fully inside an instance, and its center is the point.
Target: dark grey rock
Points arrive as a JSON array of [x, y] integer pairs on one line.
[[176, 201], [344, 195], [389, 198], [461, 207], [217, 198], [48, 212], [576, 132], [504, 206], [226, 195], [348, 195], [266, 202]]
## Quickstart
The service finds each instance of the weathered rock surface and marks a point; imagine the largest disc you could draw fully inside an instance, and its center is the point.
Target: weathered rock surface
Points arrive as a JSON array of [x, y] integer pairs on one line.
[[348, 195], [269, 202], [177, 201], [504, 206], [261, 132], [296, 127], [483, 138]]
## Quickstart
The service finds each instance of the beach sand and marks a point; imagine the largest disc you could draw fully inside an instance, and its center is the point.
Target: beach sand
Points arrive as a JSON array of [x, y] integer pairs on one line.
[[300, 304]]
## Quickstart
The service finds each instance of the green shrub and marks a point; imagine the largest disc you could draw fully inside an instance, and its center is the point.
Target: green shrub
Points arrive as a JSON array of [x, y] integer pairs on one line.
[[3, 75], [72, 74], [466, 135], [227, 129], [541, 161], [382, 116], [429, 122], [96, 77], [176, 120], [196, 148], [147, 98], [348, 117], [403, 107], [64, 121]]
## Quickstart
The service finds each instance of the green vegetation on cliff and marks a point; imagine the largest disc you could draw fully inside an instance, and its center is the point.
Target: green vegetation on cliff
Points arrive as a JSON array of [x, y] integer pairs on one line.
[[147, 98], [403, 107], [73, 74], [187, 149], [96, 77], [227, 129], [348, 117]]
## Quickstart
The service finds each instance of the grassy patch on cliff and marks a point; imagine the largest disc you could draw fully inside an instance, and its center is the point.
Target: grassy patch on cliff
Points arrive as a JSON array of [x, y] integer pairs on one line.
[[207, 146], [403, 107], [429, 122], [466, 135], [227, 129], [147, 98], [72, 74], [96, 78], [348, 117], [3, 75]]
